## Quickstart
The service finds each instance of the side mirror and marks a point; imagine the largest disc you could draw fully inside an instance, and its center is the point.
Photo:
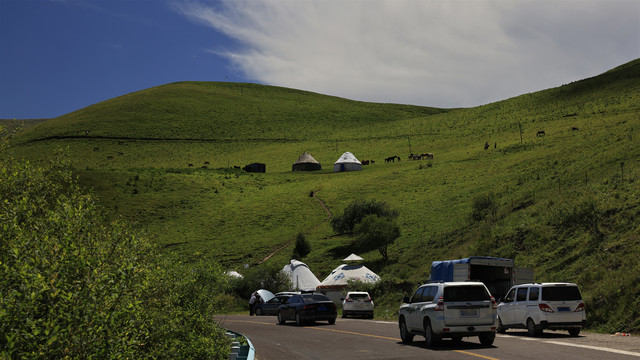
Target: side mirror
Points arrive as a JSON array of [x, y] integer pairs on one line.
[[405, 300]]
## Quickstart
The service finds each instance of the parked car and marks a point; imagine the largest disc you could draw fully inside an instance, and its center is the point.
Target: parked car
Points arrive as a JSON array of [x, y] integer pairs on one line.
[[539, 306], [271, 307], [357, 303], [449, 310], [307, 307]]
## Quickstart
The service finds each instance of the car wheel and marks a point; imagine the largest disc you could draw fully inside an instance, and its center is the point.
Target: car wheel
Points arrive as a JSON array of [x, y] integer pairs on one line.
[[259, 312], [407, 338], [574, 332], [431, 338], [332, 321], [281, 320], [487, 339], [532, 329], [298, 319], [501, 329]]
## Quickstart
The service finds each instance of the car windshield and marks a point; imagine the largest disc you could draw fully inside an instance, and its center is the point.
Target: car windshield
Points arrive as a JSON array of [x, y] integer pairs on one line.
[[313, 298], [466, 293], [561, 293]]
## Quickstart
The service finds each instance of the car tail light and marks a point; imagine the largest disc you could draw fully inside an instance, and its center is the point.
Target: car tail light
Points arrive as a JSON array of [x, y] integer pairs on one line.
[[580, 307], [348, 300], [494, 304], [545, 308], [439, 305], [368, 300]]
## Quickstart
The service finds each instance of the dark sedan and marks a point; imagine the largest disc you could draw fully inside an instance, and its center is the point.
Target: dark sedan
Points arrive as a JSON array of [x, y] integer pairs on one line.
[[308, 307], [271, 307]]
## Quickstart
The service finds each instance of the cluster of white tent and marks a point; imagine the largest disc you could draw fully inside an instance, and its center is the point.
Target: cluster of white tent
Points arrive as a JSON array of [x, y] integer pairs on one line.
[[303, 279], [346, 162]]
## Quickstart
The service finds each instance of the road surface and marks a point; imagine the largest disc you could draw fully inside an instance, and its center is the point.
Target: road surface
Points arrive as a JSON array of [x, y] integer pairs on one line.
[[370, 339]]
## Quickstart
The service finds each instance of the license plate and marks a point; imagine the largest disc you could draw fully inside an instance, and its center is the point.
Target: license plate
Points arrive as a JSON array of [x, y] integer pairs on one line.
[[322, 308], [564, 308], [469, 313]]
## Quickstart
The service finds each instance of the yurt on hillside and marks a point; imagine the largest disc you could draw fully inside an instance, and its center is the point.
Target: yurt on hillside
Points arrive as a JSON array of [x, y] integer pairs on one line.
[[333, 285], [347, 162], [306, 162], [302, 279]]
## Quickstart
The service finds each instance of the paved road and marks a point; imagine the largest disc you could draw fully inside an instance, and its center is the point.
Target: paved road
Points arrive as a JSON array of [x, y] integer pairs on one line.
[[352, 339]]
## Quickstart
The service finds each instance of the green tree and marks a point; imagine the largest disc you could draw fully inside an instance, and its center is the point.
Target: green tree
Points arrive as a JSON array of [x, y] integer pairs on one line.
[[484, 206], [302, 247], [375, 232], [356, 211]]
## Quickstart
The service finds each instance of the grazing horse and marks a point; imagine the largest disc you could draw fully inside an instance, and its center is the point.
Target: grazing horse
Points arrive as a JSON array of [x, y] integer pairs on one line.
[[427, 155], [415, 157], [365, 162], [540, 133], [392, 159]]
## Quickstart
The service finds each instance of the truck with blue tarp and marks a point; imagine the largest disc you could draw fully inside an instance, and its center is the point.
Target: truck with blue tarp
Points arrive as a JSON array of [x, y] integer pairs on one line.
[[498, 274]]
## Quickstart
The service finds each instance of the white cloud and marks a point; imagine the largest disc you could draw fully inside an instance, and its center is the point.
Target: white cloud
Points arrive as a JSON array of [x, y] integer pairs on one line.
[[433, 52]]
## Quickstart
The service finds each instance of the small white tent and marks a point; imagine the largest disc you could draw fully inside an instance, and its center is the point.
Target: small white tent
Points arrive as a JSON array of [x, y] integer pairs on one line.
[[301, 276], [353, 257], [347, 162], [234, 274]]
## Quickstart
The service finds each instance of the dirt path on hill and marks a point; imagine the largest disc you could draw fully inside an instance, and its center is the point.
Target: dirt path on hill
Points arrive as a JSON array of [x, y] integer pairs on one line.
[[291, 242]]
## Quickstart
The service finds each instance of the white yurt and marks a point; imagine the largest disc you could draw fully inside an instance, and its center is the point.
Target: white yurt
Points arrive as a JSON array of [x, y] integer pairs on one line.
[[334, 284], [347, 162], [302, 279]]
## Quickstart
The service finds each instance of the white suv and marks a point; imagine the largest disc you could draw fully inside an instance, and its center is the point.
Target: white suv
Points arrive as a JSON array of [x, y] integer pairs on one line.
[[357, 303], [449, 310], [539, 306]]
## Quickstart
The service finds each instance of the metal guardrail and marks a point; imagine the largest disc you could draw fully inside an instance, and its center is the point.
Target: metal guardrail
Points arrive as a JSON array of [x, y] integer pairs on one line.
[[238, 351]]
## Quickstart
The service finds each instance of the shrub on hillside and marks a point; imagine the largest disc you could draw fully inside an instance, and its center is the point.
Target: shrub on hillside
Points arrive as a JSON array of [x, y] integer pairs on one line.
[[356, 211], [484, 206], [302, 247]]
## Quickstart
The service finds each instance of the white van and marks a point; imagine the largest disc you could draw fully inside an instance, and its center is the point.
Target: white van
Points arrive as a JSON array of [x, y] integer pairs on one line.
[[539, 306]]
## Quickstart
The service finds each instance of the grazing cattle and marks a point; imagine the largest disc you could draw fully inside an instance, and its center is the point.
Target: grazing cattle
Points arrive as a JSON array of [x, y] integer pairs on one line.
[[415, 157], [190, 165], [540, 133], [427, 155], [574, 128]]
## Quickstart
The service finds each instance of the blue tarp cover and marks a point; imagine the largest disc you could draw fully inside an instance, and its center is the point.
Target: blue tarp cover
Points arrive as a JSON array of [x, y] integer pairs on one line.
[[443, 270]]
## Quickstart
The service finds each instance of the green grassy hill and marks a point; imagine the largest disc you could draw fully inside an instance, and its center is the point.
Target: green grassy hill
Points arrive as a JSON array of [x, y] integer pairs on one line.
[[567, 202]]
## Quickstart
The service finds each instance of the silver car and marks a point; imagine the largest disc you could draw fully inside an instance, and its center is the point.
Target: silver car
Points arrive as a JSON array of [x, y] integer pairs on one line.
[[449, 310], [357, 303]]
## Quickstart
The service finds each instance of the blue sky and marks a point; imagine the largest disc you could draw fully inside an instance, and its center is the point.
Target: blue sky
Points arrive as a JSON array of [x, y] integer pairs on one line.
[[57, 56]]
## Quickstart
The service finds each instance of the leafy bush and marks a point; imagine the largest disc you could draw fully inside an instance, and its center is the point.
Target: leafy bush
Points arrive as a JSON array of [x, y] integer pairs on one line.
[[356, 211], [75, 286], [484, 206], [267, 276]]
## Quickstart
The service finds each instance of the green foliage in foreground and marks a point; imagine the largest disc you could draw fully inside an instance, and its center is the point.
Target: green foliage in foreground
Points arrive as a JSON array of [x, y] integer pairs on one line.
[[75, 286]]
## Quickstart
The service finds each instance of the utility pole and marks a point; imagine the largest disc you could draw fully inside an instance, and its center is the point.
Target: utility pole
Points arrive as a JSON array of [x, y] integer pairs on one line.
[[520, 126]]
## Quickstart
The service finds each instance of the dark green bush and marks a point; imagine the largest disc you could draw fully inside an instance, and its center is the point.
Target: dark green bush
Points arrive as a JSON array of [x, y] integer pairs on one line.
[[375, 232], [356, 211], [484, 206], [302, 247]]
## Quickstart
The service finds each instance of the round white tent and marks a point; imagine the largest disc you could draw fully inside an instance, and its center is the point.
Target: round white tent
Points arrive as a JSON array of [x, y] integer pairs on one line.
[[306, 162], [347, 162], [301, 276], [333, 285]]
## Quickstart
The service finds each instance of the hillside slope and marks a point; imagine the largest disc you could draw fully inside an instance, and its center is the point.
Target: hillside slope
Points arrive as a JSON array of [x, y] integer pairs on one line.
[[566, 202]]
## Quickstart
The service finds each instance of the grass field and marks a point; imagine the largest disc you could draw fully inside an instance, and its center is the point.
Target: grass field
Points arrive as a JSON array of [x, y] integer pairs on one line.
[[568, 201]]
